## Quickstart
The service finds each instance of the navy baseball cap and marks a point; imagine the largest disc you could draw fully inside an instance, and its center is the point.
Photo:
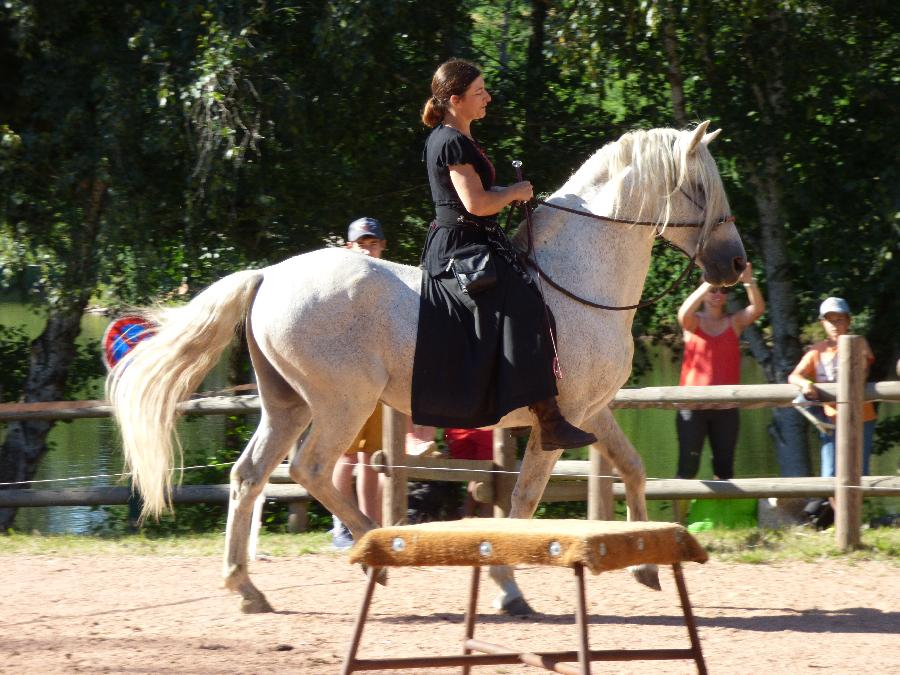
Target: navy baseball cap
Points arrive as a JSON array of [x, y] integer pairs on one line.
[[364, 227]]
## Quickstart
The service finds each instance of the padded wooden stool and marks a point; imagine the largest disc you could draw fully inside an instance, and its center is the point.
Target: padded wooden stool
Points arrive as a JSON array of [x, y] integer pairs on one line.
[[597, 545]]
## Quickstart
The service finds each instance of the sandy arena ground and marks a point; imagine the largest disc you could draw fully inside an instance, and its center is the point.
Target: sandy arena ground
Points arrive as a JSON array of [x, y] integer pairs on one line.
[[170, 615]]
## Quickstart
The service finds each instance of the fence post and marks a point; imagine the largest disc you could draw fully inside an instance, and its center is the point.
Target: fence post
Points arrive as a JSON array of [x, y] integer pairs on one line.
[[394, 498], [849, 441], [600, 491], [504, 461], [298, 517]]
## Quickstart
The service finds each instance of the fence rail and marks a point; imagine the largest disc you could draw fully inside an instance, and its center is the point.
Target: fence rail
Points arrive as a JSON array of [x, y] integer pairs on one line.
[[568, 482], [560, 489], [738, 395], [115, 495]]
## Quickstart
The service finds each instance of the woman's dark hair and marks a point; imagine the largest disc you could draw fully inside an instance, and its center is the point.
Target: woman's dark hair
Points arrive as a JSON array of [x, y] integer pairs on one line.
[[452, 78]]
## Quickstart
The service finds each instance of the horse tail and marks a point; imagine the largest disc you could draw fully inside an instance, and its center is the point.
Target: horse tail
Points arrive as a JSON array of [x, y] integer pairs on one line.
[[145, 387]]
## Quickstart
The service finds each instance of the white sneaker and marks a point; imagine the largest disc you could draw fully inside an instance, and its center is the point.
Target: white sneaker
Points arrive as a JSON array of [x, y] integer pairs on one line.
[[341, 539]]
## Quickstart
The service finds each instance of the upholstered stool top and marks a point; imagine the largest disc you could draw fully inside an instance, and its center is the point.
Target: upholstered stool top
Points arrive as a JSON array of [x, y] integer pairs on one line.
[[599, 545]]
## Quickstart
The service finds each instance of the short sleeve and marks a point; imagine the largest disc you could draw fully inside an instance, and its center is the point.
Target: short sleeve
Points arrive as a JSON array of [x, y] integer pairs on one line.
[[455, 150], [807, 366]]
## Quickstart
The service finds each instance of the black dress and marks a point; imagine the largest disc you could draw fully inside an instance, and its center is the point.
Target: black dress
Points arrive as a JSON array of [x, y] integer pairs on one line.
[[477, 357]]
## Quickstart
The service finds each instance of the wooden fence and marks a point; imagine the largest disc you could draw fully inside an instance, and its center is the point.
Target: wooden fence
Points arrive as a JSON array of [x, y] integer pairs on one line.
[[572, 481]]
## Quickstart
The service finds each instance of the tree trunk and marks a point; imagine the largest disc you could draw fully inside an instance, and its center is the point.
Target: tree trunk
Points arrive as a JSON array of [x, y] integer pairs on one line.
[[535, 84], [502, 49], [52, 353], [767, 84], [673, 62], [26, 442], [788, 427]]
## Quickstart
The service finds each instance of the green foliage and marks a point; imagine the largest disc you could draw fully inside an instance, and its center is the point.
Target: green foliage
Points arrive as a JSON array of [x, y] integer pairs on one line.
[[887, 435], [14, 348], [232, 136]]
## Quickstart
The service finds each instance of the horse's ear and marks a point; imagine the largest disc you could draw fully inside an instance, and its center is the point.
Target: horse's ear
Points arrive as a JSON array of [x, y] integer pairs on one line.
[[711, 136], [697, 137]]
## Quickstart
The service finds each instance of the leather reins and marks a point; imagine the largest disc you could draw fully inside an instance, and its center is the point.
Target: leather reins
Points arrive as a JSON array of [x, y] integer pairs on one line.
[[531, 258]]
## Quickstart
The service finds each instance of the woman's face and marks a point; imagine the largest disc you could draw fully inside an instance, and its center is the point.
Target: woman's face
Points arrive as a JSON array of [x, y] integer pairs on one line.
[[715, 297], [473, 103]]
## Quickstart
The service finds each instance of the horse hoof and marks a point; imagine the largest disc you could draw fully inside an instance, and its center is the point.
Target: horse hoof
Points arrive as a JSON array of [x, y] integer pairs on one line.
[[647, 575], [517, 607], [255, 606], [381, 578]]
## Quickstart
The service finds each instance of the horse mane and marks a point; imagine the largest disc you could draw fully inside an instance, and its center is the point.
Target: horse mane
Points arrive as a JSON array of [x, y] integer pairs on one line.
[[656, 157]]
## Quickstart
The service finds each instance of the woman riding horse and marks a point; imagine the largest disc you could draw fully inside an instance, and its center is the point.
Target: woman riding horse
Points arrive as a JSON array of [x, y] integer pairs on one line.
[[480, 353]]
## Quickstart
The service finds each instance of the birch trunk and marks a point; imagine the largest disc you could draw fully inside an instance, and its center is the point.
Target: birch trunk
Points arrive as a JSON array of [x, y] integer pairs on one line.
[[766, 176], [673, 63]]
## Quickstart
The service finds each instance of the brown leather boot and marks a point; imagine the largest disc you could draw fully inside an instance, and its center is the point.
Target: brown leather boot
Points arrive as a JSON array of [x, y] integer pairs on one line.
[[556, 432]]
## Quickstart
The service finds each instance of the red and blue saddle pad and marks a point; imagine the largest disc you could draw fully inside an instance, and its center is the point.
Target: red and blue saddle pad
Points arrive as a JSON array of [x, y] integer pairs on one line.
[[123, 335]]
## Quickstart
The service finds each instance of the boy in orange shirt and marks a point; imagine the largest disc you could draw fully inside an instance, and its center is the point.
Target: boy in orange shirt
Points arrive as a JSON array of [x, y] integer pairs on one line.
[[819, 364]]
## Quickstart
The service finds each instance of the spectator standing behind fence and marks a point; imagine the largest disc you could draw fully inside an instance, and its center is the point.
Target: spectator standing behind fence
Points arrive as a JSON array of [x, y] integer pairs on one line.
[[471, 444], [712, 356], [820, 364], [364, 236]]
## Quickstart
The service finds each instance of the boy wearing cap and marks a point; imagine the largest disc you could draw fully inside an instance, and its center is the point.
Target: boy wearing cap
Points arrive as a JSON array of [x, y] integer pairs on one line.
[[819, 364], [364, 236]]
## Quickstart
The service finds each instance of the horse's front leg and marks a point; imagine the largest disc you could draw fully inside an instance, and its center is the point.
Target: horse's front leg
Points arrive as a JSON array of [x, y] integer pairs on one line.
[[533, 476], [614, 444]]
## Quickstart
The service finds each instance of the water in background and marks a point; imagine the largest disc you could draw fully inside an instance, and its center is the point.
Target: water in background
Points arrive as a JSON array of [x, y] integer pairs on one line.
[[90, 447]]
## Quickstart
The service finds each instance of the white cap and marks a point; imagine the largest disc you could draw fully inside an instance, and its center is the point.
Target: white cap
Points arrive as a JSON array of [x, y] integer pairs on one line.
[[833, 305]]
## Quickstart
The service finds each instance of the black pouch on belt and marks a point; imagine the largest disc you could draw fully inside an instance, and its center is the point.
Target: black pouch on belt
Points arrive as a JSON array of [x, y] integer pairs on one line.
[[474, 269]]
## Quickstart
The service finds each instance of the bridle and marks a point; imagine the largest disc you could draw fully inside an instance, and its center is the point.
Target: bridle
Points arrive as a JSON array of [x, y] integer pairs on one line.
[[531, 258]]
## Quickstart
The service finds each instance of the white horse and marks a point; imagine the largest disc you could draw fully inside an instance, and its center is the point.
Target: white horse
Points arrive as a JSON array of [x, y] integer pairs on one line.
[[331, 333]]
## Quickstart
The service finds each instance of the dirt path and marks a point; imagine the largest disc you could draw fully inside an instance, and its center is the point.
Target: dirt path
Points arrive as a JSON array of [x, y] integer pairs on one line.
[[169, 615]]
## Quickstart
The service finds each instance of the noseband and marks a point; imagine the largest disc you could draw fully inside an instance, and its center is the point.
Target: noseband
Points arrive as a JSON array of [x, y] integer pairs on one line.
[[531, 259]]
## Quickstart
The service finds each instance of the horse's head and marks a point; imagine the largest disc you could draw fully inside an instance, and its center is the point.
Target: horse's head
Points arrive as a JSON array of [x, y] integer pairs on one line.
[[669, 177]]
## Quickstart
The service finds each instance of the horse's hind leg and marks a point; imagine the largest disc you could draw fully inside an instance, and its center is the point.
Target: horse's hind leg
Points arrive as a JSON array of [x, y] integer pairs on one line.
[[614, 444], [285, 415], [313, 463], [270, 444]]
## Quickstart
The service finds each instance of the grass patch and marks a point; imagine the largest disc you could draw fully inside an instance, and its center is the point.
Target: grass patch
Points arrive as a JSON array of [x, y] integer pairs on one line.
[[756, 546], [749, 545]]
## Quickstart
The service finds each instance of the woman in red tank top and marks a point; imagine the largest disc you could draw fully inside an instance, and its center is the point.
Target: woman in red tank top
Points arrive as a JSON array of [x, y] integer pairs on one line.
[[712, 356]]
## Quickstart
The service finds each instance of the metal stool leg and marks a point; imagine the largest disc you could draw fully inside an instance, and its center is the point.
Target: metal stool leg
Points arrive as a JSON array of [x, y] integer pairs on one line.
[[689, 619], [350, 661], [584, 655], [471, 614]]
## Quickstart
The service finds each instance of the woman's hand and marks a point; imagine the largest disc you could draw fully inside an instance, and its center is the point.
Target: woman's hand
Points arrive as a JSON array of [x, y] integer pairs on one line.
[[747, 274], [521, 192], [481, 202], [809, 390]]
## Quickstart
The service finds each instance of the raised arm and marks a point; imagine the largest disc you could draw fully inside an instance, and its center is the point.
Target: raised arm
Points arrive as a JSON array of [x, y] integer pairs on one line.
[[481, 202], [757, 305], [687, 313]]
